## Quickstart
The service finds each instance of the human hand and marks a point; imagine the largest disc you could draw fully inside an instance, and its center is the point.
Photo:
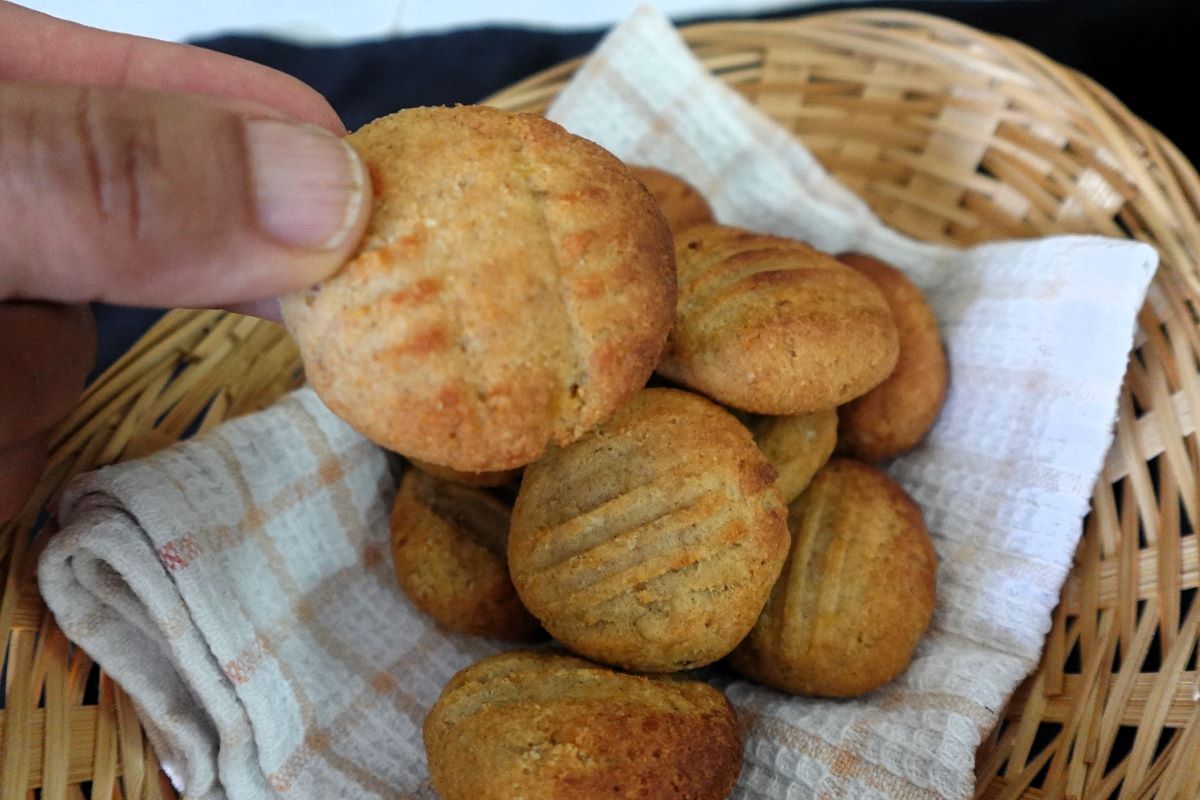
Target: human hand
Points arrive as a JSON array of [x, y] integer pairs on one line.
[[153, 174]]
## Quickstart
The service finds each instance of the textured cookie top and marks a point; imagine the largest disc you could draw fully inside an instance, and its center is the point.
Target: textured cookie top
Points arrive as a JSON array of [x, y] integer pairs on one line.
[[474, 514], [857, 591], [543, 726], [652, 542], [894, 416], [770, 325], [515, 285], [681, 204], [448, 550], [797, 446]]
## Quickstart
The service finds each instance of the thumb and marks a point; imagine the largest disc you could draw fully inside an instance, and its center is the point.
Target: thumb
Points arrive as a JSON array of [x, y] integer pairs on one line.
[[147, 198]]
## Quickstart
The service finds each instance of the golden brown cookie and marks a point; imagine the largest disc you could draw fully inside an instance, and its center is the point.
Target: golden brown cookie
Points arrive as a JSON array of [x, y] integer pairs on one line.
[[543, 726], [681, 204], [770, 325], [894, 416], [652, 542], [797, 446], [515, 286], [448, 545], [479, 480], [857, 592]]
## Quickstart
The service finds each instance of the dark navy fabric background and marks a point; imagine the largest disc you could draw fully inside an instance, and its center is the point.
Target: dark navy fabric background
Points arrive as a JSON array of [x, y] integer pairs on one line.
[[1145, 51]]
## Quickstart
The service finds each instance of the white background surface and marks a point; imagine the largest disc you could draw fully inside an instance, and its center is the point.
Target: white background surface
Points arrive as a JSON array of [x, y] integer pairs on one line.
[[326, 20], [344, 20]]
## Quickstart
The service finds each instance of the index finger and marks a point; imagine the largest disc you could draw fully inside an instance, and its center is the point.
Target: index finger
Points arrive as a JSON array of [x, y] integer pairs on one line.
[[38, 47]]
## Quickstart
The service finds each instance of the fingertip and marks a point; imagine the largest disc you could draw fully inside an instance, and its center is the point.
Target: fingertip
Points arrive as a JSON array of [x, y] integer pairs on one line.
[[321, 232], [231, 205], [311, 191]]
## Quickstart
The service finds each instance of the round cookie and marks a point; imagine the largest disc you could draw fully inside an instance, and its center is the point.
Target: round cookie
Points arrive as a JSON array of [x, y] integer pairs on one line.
[[797, 446], [515, 286], [894, 416], [857, 592], [448, 544], [478, 480], [543, 726], [770, 325], [679, 201], [651, 543]]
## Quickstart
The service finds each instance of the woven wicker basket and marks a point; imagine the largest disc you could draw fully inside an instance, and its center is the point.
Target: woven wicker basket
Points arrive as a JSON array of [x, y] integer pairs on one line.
[[951, 135]]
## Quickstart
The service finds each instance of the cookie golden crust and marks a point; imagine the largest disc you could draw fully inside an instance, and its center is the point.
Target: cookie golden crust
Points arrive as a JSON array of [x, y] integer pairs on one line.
[[478, 480], [797, 446], [448, 544], [514, 287], [894, 417], [857, 592], [681, 204], [651, 543], [542, 726], [770, 325]]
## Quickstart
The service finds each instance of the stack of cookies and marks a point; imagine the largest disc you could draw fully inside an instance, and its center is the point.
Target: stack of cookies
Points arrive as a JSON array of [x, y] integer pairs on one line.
[[621, 416]]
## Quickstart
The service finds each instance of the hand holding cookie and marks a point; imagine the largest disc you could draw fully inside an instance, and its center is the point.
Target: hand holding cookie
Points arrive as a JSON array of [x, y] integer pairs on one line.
[[205, 180]]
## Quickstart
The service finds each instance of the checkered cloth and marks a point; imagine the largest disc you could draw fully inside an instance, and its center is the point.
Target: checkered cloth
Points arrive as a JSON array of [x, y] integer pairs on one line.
[[239, 588]]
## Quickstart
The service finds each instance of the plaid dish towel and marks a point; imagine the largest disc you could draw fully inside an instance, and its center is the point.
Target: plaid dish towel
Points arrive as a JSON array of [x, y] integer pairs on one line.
[[239, 586]]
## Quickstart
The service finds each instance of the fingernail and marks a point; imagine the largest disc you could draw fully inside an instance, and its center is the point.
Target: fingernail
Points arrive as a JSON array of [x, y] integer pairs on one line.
[[308, 183]]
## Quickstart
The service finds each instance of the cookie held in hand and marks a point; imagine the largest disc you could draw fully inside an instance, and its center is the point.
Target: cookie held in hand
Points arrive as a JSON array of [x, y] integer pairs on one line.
[[543, 726], [856, 594], [679, 201], [448, 545], [770, 325], [894, 416], [514, 287], [651, 543]]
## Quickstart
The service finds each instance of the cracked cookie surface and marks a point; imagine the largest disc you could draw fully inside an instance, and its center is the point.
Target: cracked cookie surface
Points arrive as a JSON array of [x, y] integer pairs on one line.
[[515, 286], [652, 542], [857, 592], [770, 325], [544, 726]]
